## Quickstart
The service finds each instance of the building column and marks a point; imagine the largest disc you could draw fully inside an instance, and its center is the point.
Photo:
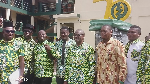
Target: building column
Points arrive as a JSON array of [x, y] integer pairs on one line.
[[58, 29], [32, 20], [55, 31], [33, 2], [7, 14], [13, 16]]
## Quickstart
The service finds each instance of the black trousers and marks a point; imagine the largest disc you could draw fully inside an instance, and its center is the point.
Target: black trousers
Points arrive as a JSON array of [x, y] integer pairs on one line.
[[43, 80], [28, 78], [59, 80]]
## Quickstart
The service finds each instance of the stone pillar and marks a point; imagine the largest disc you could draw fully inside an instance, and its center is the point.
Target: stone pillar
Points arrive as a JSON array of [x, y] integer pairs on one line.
[[7, 14], [13, 16], [33, 2], [55, 31], [58, 29], [32, 20]]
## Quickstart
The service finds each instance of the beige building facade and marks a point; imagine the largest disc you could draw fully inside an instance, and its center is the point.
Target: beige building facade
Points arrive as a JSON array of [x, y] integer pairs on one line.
[[86, 10]]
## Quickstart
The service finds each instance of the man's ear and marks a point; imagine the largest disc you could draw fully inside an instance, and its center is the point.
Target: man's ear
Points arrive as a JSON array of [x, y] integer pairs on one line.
[[111, 31], [68, 33], [46, 37]]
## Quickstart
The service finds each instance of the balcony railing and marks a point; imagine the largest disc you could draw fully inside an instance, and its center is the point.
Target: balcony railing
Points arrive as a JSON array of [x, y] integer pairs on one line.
[[67, 6], [26, 7]]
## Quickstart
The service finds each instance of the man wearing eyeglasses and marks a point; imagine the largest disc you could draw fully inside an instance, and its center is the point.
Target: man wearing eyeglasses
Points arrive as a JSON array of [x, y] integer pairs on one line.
[[11, 55], [80, 61], [62, 47], [28, 44]]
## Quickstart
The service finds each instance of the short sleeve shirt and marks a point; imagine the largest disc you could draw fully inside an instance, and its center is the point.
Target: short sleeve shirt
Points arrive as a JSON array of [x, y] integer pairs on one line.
[[9, 58], [28, 48]]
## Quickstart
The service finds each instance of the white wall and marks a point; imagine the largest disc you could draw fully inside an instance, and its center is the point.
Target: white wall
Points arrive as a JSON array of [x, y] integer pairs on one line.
[[140, 15]]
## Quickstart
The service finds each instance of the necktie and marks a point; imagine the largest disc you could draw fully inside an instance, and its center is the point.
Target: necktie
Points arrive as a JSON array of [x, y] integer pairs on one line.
[[63, 49]]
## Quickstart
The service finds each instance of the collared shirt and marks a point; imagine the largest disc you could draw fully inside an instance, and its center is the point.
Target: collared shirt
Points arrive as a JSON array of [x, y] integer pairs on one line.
[[111, 62], [43, 65], [9, 58], [133, 55], [60, 70], [28, 46], [143, 75], [80, 64]]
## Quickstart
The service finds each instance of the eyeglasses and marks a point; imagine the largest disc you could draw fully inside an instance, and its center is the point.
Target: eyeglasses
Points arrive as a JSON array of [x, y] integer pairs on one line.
[[8, 31], [27, 31], [78, 35]]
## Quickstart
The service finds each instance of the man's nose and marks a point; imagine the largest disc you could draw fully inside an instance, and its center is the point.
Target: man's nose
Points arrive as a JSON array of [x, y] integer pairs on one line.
[[10, 33]]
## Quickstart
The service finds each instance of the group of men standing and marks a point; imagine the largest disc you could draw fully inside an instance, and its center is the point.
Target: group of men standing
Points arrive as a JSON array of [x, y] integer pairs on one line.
[[76, 62], [34, 60]]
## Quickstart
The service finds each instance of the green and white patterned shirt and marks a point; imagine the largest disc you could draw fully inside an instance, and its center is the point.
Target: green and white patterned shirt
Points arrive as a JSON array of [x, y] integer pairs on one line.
[[60, 70], [9, 58], [43, 65], [80, 64], [28, 46], [143, 70]]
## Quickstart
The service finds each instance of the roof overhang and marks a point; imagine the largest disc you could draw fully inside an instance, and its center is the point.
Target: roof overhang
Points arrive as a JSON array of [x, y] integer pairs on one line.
[[66, 16]]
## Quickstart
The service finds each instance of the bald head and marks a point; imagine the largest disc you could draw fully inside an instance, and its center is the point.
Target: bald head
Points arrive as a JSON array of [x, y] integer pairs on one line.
[[79, 36], [80, 31], [42, 35], [41, 31]]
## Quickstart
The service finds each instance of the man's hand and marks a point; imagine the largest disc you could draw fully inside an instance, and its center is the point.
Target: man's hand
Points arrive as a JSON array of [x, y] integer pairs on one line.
[[65, 82], [94, 81], [47, 48], [20, 80]]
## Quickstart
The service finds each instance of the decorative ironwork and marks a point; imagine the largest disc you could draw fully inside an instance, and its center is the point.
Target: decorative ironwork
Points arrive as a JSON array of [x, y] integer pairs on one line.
[[1, 22], [68, 6], [4, 1], [18, 26], [26, 7]]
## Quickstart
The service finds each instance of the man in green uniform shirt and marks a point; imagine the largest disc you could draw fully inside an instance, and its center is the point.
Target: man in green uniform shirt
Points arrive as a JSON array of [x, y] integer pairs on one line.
[[11, 54], [43, 60], [28, 45], [143, 75], [80, 61], [62, 47]]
